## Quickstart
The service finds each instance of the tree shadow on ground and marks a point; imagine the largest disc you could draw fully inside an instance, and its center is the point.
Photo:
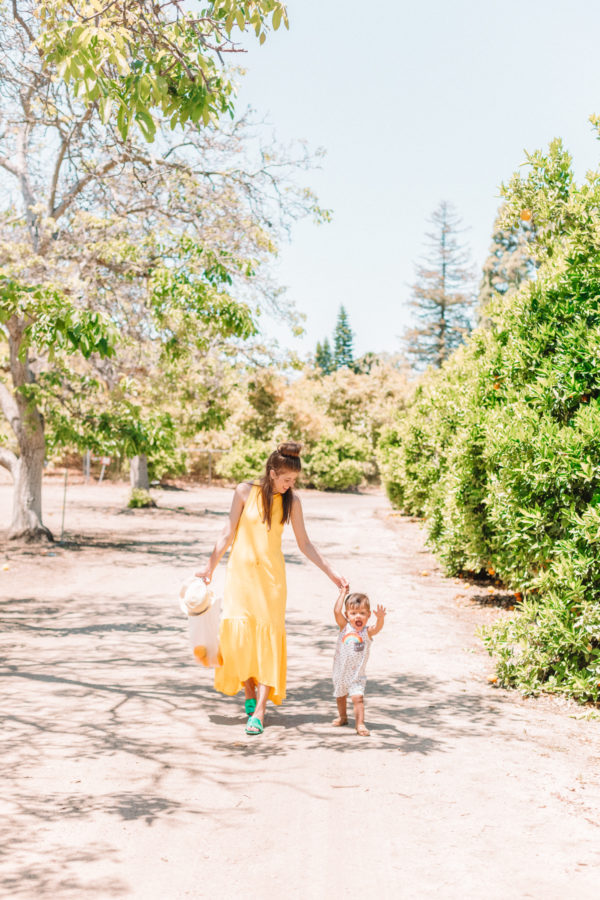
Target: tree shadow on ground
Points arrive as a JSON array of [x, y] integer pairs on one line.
[[399, 711], [85, 688], [33, 874]]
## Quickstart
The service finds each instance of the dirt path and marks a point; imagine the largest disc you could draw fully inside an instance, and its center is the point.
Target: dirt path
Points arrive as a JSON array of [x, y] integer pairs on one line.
[[125, 775]]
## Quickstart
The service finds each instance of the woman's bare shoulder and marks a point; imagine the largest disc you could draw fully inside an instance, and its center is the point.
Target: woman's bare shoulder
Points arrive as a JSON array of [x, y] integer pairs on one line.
[[243, 490]]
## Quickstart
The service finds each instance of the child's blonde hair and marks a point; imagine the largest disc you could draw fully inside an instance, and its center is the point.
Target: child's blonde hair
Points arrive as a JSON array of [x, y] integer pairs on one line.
[[354, 600]]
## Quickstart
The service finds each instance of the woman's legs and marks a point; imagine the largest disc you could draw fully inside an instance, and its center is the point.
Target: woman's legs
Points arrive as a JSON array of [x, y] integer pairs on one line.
[[257, 719], [261, 701], [250, 689]]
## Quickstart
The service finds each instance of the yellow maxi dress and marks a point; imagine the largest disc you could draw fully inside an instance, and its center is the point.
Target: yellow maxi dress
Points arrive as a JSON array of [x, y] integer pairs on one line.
[[252, 635]]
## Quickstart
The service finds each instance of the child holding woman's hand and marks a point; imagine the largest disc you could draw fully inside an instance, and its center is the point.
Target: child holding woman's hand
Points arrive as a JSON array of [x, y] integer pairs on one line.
[[352, 613]]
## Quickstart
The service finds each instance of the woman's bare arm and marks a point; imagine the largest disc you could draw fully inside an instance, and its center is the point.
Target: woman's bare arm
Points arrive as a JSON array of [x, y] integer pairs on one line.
[[308, 548], [225, 539]]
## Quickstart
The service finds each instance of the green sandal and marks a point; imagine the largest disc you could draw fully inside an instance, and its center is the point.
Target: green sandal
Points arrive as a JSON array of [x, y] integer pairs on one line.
[[250, 706], [254, 726]]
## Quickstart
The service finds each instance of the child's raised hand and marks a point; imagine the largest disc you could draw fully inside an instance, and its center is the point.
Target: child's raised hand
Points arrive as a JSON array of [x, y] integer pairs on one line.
[[380, 613], [340, 618]]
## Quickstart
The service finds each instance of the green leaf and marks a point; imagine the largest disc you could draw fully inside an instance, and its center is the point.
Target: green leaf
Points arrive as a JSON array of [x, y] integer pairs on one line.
[[123, 121], [105, 106], [146, 123]]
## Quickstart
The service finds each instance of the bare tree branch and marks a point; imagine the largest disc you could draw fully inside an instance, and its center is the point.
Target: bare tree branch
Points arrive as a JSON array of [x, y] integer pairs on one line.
[[9, 407], [66, 141], [22, 22], [77, 188], [9, 166], [8, 460]]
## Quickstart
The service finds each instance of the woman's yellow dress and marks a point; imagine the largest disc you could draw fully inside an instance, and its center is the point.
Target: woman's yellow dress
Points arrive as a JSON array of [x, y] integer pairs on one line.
[[252, 636]]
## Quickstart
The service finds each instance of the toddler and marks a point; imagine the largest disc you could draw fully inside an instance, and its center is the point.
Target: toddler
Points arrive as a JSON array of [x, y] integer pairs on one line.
[[352, 612]]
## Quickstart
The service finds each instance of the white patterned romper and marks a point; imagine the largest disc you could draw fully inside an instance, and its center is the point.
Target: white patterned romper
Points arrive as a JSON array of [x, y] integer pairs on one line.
[[350, 661]]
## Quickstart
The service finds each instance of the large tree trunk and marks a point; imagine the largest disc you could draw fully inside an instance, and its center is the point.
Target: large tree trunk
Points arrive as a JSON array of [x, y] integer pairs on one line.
[[28, 426], [138, 472], [27, 497]]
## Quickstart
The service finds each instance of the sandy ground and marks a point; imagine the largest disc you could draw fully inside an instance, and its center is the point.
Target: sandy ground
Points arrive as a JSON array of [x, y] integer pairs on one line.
[[126, 775]]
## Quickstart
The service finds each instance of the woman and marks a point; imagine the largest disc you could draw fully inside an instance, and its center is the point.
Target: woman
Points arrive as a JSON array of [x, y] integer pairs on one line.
[[252, 635]]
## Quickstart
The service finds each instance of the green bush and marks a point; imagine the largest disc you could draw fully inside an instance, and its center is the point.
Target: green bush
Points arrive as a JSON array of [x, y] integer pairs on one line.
[[552, 645], [390, 459], [245, 461], [140, 499], [500, 449], [337, 461]]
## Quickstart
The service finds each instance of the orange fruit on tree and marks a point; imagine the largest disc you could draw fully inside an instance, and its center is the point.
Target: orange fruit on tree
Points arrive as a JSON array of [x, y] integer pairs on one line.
[[526, 215]]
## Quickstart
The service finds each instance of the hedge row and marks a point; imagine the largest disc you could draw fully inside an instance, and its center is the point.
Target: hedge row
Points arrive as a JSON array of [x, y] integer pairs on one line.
[[500, 449]]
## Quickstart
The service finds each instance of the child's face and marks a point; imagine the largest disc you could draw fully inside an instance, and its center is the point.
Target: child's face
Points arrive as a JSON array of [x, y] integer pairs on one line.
[[358, 616]]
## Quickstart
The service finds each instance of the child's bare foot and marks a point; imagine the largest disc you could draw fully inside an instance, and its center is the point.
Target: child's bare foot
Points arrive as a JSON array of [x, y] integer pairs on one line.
[[362, 730], [341, 720]]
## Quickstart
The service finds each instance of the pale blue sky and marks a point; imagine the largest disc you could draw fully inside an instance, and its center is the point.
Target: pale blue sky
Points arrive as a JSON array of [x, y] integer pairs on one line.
[[414, 103]]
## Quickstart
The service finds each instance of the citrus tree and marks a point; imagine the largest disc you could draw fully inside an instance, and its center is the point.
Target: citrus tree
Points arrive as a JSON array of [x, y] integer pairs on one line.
[[500, 449]]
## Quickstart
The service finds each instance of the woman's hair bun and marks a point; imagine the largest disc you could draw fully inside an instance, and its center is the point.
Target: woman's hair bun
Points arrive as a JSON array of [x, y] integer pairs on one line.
[[290, 448]]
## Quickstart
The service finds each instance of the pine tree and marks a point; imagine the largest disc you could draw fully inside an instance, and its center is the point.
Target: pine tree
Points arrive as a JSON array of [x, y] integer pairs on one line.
[[508, 264], [442, 295], [343, 340], [323, 357], [319, 355]]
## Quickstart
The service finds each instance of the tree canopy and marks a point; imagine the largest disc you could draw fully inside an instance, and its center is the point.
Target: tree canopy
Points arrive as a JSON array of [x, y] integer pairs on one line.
[[138, 60], [146, 265]]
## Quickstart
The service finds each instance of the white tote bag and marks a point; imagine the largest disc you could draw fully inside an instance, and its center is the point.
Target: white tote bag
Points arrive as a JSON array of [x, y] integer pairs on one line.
[[203, 612]]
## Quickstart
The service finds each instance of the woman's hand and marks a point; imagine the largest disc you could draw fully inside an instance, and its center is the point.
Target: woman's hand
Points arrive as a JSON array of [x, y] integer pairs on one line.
[[205, 574], [340, 582]]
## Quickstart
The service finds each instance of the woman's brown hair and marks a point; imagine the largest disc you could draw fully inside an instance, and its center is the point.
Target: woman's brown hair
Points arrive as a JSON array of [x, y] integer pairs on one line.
[[286, 457]]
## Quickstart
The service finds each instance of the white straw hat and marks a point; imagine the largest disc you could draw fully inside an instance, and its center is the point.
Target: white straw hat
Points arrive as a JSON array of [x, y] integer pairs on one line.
[[196, 597]]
